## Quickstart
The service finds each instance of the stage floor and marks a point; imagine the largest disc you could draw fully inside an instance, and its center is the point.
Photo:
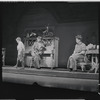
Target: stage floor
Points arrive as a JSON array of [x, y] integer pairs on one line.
[[51, 72], [52, 78]]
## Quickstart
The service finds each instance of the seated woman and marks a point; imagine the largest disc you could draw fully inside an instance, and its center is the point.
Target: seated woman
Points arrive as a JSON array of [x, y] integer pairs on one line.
[[78, 53]]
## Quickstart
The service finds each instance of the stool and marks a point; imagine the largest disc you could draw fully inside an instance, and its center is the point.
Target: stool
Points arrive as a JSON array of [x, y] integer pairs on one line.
[[29, 61], [81, 63]]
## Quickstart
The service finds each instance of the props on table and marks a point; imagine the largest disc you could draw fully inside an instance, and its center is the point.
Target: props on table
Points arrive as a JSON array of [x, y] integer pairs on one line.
[[90, 46]]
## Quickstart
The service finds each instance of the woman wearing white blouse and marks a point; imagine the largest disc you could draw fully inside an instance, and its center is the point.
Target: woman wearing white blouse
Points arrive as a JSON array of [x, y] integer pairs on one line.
[[21, 52]]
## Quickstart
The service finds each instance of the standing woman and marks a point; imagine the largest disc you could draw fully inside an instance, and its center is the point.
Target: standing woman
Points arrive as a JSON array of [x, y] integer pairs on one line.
[[21, 52]]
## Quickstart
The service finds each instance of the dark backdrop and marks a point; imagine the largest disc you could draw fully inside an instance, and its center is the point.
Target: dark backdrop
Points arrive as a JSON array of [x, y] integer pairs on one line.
[[68, 19]]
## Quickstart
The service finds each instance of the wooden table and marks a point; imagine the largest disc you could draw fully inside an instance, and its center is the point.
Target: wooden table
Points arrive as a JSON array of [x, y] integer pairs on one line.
[[94, 59]]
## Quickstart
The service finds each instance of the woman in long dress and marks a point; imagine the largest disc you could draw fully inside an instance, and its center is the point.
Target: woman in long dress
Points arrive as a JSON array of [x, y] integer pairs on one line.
[[21, 52], [78, 53]]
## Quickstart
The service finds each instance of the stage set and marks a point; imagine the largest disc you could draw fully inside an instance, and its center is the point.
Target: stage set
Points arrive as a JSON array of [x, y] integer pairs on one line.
[[50, 74], [58, 38]]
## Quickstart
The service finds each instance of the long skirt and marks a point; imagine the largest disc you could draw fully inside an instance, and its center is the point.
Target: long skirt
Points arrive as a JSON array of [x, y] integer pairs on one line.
[[21, 56], [72, 61]]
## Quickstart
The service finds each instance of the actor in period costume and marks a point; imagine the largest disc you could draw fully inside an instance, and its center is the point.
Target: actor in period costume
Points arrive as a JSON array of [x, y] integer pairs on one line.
[[37, 51], [78, 53], [21, 52]]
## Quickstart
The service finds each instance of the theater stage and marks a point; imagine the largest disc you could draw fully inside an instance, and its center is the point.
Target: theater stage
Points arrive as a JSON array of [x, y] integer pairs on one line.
[[52, 78]]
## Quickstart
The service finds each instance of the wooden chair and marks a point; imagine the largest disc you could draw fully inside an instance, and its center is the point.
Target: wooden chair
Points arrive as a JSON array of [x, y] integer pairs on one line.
[[82, 62], [94, 60]]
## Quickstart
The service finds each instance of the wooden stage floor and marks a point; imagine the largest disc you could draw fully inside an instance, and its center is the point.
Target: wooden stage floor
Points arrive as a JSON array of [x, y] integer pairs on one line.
[[52, 78]]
